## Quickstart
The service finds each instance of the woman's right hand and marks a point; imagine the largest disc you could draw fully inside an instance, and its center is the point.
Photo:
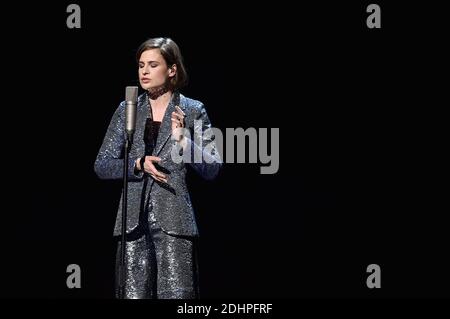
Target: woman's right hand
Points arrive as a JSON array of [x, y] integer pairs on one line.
[[150, 168]]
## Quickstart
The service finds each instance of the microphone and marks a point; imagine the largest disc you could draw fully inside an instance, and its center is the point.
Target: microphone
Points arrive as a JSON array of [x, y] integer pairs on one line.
[[131, 93]]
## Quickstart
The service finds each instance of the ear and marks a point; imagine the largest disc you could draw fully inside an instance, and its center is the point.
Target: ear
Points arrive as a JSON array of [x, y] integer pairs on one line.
[[172, 70]]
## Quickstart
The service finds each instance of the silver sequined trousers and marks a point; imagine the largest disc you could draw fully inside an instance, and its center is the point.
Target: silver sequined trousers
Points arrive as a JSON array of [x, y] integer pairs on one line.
[[158, 265]]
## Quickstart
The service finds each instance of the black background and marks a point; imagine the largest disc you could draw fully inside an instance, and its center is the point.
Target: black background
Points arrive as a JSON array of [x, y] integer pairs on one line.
[[358, 181]]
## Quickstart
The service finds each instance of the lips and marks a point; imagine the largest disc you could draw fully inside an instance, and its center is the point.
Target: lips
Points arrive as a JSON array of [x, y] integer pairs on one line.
[[145, 80]]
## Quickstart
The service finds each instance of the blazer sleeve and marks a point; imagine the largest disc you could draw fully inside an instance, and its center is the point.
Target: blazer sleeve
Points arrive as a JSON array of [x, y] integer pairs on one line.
[[109, 161], [203, 152]]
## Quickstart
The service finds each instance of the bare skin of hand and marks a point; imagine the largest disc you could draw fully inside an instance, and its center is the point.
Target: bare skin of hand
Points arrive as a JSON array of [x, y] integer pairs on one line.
[[178, 126], [150, 168], [177, 123]]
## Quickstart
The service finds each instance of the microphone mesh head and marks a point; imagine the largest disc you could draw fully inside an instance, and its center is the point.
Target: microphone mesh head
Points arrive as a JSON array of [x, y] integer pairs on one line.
[[131, 93]]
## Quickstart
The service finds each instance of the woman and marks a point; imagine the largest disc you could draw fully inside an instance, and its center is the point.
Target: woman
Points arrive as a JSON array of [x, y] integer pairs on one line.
[[161, 227]]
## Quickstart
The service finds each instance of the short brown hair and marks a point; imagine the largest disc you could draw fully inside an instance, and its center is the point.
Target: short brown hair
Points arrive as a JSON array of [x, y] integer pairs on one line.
[[171, 54]]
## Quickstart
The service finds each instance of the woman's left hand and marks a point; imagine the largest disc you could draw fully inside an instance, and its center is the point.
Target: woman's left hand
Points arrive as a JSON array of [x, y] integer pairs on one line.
[[177, 123]]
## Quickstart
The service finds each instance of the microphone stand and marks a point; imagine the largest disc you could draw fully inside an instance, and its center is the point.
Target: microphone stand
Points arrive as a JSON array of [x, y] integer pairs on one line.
[[122, 265]]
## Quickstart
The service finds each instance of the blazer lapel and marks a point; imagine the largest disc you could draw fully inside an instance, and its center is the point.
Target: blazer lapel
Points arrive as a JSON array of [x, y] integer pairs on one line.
[[141, 117], [165, 130]]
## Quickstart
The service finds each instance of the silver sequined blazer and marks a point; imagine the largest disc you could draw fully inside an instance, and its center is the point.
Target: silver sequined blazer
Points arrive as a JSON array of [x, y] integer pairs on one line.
[[170, 202]]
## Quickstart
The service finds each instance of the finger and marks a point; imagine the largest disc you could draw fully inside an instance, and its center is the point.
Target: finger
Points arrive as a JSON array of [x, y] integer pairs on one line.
[[151, 169], [159, 179], [157, 175], [179, 110], [177, 116], [148, 164], [153, 159], [156, 172], [164, 180], [177, 123]]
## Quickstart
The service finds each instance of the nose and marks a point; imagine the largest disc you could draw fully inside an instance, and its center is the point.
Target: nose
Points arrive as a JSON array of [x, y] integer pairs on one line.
[[145, 70]]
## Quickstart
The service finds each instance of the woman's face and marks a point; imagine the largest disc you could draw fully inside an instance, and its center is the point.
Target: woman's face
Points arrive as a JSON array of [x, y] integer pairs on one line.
[[153, 70]]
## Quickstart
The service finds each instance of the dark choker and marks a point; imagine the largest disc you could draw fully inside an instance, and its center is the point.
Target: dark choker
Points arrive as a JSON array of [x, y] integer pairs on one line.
[[157, 92]]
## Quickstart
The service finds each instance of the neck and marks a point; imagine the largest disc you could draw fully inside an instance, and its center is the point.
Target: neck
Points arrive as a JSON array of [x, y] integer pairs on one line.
[[162, 100], [158, 92]]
